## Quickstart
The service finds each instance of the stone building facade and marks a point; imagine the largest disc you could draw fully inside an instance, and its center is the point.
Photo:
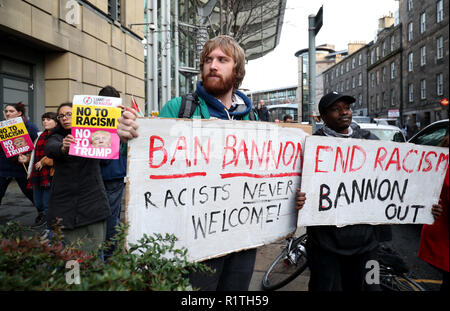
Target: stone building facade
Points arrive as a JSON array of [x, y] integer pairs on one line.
[[349, 76], [404, 70], [425, 41], [53, 49], [384, 67]]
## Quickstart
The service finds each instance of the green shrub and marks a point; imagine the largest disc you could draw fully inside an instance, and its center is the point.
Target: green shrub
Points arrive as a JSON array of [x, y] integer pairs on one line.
[[28, 262]]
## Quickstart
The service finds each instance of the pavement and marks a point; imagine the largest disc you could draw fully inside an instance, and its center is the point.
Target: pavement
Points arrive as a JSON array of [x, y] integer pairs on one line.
[[15, 206], [265, 256]]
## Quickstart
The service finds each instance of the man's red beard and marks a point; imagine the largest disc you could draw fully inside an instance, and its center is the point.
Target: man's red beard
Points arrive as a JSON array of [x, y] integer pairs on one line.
[[218, 85]]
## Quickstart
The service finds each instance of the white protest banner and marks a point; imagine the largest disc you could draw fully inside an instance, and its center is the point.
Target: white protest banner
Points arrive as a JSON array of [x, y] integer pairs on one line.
[[218, 186], [350, 181], [94, 126]]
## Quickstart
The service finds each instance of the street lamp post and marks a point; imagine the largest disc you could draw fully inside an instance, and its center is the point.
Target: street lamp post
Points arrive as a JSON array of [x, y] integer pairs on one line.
[[315, 23]]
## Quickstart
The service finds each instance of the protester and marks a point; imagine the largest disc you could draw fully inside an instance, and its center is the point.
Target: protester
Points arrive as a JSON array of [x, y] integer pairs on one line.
[[10, 168], [41, 170], [287, 118], [434, 242], [78, 195], [113, 174], [263, 112], [222, 64], [337, 255]]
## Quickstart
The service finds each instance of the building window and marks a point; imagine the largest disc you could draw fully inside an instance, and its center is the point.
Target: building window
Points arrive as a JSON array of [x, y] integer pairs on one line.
[[423, 89], [383, 99], [383, 74], [392, 70], [392, 43], [347, 66], [360, 59], [410, 93], [440, 47], [360, 101], [114, 9], [378, 101], [423, 55], [410, 31], [392, 97], [439, 11], [372, 56], [353, 62], [423, 22], [372, 80], [347, 84], [342, 69], [384, 49], [410, 62], [410, 5], [360, 79], [440, 84], [353, 82]]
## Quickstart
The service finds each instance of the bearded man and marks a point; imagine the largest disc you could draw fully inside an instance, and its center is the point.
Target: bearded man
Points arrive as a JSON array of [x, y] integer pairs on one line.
[[222, 64]]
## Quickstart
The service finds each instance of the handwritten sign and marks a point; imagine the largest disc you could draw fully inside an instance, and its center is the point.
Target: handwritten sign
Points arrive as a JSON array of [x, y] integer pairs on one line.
[[14, 137], [94, 126], [349, 181], [218, 186]]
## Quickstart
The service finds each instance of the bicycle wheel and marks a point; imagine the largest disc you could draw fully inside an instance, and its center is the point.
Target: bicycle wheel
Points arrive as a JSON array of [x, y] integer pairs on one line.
[[398, 283], [286, 267]]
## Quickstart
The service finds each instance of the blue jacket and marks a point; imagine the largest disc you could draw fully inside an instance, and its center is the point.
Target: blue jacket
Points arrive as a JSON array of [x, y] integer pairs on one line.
[[116, 169], [208, 107], [10, 167]]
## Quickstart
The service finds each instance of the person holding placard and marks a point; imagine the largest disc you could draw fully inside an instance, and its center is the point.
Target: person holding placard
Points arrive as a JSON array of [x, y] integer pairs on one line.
[[337, 256], [222, 64], [78, 196], [113, 174], [10, 168]]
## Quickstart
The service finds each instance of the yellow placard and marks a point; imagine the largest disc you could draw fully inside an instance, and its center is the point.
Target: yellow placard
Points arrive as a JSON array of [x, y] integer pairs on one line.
[[12, 131]]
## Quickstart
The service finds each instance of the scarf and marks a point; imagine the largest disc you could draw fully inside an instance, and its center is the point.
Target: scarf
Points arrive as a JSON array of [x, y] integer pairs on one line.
[[329, 132], [40, 178], [218, 110]]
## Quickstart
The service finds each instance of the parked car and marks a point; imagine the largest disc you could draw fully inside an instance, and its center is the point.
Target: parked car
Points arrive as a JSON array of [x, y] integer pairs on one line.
[[361, 119], [386, 121], [384, 132], [432, 134]]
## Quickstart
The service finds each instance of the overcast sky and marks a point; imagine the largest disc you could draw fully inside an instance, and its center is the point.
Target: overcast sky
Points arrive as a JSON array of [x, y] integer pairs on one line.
[[343, 21]]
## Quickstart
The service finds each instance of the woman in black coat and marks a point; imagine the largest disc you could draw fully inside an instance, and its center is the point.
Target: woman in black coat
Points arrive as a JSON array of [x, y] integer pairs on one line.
[[78, 195]]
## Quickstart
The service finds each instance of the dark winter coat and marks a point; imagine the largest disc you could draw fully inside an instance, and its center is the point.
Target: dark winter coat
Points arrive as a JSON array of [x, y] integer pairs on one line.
[[263, 114], [78, 195], [353, 239]]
